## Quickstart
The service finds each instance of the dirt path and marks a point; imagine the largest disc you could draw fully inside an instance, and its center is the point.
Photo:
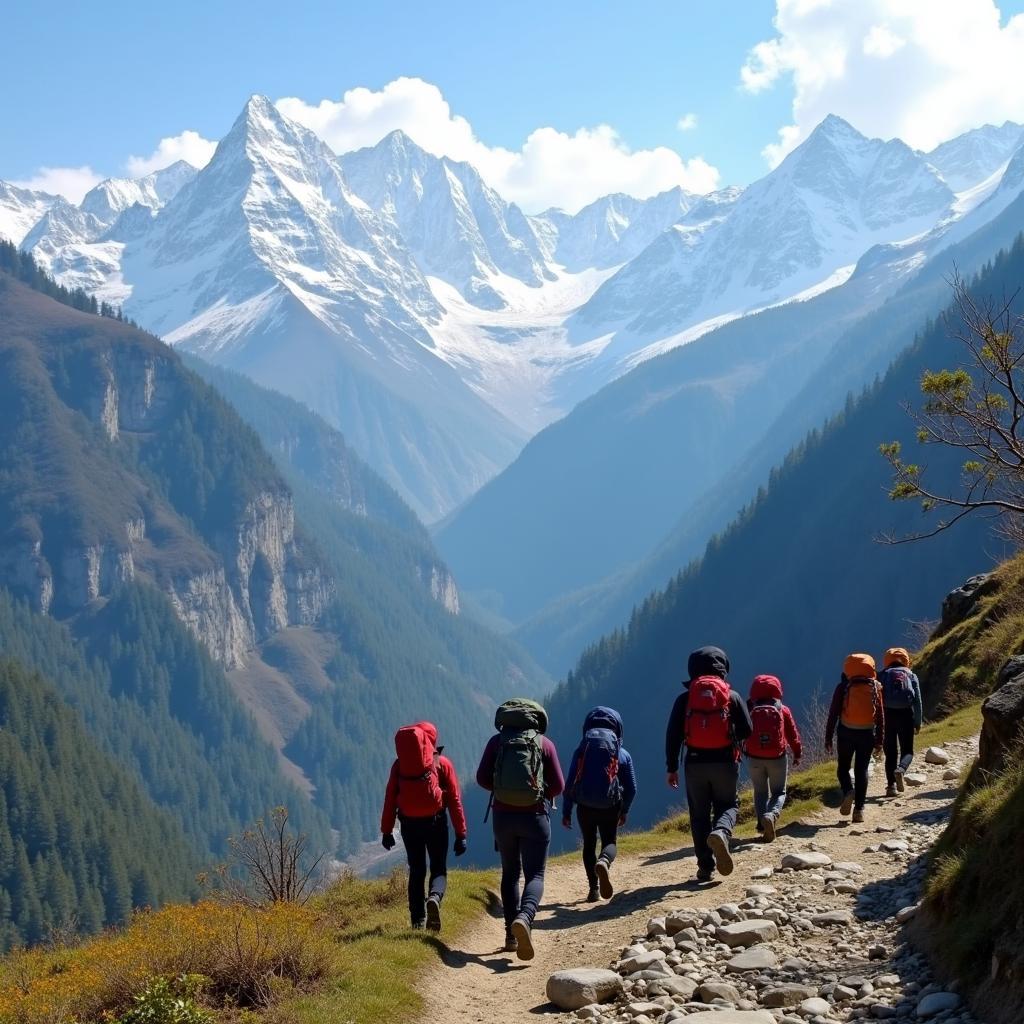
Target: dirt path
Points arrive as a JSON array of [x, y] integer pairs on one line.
[[477, 982]]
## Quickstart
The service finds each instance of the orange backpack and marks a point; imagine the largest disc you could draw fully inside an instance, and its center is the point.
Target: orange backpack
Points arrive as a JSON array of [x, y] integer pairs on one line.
[[859, 703]]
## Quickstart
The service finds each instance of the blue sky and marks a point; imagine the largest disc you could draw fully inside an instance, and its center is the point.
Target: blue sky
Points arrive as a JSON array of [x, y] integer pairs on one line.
[[95, 84]]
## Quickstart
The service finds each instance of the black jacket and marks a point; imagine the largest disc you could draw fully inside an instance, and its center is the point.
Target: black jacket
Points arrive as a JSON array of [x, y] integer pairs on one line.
[[707, 661]]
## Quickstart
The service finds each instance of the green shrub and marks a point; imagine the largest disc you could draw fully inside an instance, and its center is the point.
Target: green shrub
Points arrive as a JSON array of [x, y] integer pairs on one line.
[[169, 1002]]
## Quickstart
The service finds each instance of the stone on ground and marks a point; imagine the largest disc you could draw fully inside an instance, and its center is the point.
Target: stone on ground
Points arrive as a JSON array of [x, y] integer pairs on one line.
[[757, 958], [730, 1017], [790, 994], [641, 961], [673, 986], [833, 919], [936, 755], [747, 933], [951, 775], [815, 1007], [712, 990], [806, 860], [571, 990], [906, 913], [915, 779], [936, 1003]]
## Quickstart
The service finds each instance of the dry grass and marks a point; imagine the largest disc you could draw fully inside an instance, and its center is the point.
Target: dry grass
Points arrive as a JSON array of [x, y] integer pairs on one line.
[[249, 958]]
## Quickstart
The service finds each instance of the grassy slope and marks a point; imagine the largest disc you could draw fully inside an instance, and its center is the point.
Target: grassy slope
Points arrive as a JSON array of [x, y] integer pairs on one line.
[[975, 891]]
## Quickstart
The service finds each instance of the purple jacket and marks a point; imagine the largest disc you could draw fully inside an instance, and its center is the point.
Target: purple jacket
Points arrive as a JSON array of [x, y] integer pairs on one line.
[[554, 782]]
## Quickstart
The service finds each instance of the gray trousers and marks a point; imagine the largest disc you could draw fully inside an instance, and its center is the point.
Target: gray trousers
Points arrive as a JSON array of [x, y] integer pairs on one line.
[[712, 798], [768, 777]]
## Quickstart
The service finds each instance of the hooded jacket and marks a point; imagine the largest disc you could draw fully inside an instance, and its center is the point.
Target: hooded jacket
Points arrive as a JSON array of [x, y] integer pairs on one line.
[[765, 689], [705, 661], [448, 780], [603, 718]]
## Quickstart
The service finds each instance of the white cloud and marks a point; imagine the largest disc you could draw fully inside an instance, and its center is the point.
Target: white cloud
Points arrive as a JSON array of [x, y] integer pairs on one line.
[[70, 182], [552, 168], [189, 146], [882, 42], [922, 70], [687, 122]]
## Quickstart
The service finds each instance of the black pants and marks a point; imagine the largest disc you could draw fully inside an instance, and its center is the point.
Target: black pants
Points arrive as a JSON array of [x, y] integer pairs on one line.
[[594, 820], [523, 838], [712, 798], [899, 741], [425, 838], [854, 746]]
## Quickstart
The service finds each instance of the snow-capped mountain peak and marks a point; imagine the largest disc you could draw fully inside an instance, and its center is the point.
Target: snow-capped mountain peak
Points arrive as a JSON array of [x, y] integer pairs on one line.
[[20, 211], [972, 157], [455, 225]]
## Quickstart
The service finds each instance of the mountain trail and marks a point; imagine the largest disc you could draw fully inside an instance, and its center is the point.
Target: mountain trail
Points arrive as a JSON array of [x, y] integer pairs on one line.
[[478, 982]]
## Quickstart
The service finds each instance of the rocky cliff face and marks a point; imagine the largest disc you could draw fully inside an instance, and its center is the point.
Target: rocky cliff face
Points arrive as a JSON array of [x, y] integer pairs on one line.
[[233, 589]]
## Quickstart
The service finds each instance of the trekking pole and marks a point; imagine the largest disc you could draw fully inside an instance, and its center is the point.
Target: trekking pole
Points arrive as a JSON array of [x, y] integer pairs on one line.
[[487, 813]]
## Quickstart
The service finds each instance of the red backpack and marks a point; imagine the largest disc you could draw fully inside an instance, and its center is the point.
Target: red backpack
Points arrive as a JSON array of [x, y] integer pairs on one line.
[[419, 788], [768, 738], [708, 717]]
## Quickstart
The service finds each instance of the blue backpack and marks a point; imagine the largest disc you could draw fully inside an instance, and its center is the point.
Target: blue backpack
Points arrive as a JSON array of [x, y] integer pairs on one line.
[[596, 781], [898, 687]]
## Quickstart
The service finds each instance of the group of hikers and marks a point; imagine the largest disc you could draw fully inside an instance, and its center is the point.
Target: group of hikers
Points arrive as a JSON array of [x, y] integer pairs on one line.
[[709, 721]]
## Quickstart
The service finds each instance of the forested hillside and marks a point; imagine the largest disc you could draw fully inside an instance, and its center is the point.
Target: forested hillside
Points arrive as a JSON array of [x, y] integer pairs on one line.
[[80, 842], [800, 578]]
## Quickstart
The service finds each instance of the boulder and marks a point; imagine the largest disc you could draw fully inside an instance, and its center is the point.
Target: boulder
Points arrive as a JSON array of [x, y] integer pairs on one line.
[[936, 755], [959, 603], [833, 919], [712, 990], [730, 1017], [1002, 716], [747, 933], [684, 987], [762, 873], [815, 1007], [848, 867], [645, 1009], [680, 920], [571, 990], [906, 913], [790, 994], [915, 778], [937, 1002], [896, 846], [757, 958], [641, 962], [806, 860]]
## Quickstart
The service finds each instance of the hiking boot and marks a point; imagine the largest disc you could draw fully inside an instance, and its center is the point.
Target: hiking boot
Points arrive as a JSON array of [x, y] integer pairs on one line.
[[769, 829], [523, 939], [433, 914], [720, 848], [604, 879], [705, 874], [847, 805], [900, 784], [858, 815], [510, 942], [593, 896], [890, 790], [417, 926]]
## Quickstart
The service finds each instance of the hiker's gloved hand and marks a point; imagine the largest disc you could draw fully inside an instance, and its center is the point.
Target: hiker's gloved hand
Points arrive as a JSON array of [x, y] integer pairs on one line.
[[460, 846], [622, 820], [567, 823], [673, 780], [388, 841]]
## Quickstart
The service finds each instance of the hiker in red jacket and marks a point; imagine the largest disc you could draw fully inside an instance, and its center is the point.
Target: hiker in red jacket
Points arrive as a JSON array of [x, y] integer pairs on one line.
[[774, 731], [422, 787]]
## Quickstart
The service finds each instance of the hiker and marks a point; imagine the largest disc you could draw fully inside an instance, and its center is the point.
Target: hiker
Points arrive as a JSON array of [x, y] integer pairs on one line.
[[520, 768], [602, 784], [421, 788], [901, 696], [856, 717], [712, 720], [774, 729]]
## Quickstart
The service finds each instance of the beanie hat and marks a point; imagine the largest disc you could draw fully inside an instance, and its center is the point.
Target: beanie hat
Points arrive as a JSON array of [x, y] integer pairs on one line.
[[859, 666]]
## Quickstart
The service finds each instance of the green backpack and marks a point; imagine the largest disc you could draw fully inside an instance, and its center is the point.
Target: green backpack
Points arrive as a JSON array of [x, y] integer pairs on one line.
[[519, 766]]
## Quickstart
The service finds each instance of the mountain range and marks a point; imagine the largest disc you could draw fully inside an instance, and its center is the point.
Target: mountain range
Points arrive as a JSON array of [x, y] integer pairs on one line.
[[437, 325]]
